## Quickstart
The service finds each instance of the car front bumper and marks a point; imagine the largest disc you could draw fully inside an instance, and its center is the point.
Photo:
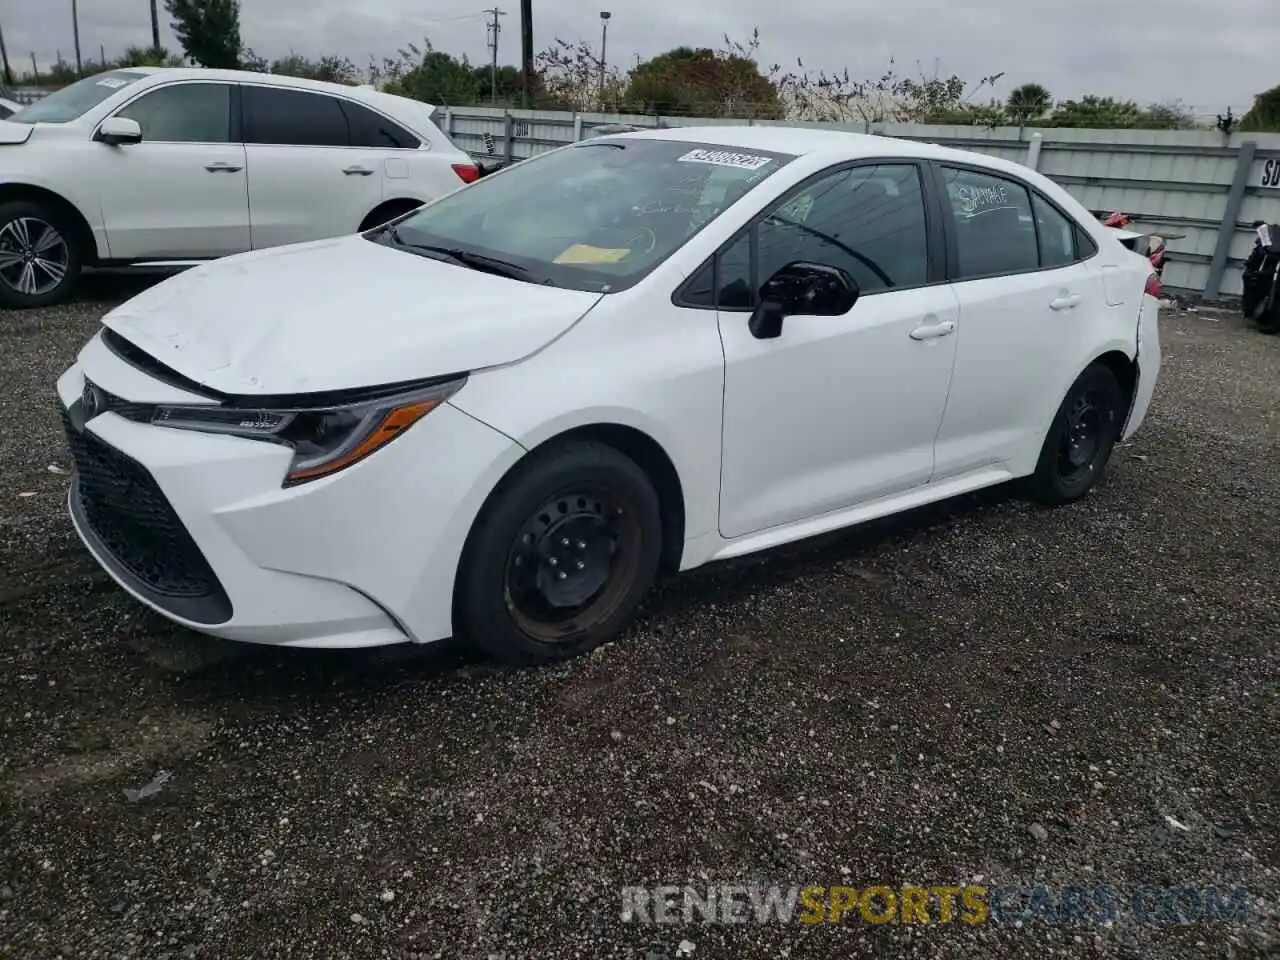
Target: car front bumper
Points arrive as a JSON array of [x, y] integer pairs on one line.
[[198, 527]]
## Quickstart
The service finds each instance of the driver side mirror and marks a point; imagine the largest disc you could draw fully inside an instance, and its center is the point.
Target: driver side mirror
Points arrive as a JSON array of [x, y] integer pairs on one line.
[[802, 289], [117, 131]]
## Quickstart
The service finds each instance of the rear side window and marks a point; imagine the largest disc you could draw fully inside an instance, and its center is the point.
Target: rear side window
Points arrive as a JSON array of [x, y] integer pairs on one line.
[[1057, 235], [370, 129], [995, 228], [293, 118]]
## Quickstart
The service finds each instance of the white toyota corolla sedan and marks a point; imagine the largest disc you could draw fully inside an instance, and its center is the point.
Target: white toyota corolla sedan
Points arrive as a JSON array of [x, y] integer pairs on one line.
[[502, 415]]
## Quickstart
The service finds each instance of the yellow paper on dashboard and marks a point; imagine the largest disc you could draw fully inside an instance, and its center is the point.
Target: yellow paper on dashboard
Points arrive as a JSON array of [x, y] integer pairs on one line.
[[585, 253]]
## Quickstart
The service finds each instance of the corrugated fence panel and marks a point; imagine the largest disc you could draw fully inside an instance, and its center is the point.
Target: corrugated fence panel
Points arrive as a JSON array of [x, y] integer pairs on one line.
[[1172, 181]]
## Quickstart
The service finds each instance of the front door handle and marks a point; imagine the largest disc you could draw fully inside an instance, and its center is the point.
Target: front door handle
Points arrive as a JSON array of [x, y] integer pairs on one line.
[[358, 172], [223, 167], [932, 331], [1064, 302]]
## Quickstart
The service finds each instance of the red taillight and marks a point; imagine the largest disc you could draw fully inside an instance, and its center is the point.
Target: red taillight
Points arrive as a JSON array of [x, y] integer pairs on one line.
[[467, 172], [1154, 287]]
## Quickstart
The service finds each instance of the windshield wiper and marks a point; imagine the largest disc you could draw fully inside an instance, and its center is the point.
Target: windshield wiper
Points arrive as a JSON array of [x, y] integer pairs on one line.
[[466, 258]]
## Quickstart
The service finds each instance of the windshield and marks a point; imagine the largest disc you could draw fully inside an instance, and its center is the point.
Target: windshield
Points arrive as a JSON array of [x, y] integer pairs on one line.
[[70, 103], [596, 216]]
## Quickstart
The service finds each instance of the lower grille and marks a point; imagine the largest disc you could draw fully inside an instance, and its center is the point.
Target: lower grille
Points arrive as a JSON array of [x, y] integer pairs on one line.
[[132, 520]]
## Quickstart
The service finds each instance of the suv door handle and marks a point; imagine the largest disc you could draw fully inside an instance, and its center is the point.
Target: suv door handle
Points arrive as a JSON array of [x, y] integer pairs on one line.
[[1064, 302], [932, 331], [222, 166], [358, 171]]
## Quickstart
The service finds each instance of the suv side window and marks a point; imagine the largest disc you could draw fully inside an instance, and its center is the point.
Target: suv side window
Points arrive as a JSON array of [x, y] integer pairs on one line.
[[183, 113], [995, 229], [293, 118], [370, 129]]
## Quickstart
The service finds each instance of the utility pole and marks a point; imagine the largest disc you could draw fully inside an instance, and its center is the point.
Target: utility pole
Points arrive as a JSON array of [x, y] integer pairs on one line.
[[155, 27], [494, 28], [526, 51], [80, 67], [4, 55], [604, 38]]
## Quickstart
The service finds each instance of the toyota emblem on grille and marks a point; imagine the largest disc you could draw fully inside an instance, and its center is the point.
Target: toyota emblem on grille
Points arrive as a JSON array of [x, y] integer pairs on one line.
[[91, 400]]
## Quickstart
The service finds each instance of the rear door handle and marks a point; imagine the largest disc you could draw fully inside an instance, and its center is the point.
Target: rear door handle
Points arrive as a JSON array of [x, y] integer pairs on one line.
[[932, 331], [1064, 302], [358, 172], [223, 167]]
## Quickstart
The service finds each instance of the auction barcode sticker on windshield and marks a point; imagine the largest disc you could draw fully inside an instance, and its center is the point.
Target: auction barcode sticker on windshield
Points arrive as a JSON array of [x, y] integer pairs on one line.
[[724, 158]]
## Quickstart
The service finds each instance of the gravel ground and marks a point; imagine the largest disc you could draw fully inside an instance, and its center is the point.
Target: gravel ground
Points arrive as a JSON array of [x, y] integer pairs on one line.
[[983, 692]]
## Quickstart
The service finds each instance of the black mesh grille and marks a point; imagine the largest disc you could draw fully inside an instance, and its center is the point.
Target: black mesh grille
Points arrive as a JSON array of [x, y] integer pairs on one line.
[[132, 519]]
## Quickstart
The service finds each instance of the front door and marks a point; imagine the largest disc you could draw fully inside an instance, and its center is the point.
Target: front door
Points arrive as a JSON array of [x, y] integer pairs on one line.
[[836, 411], [306, 180], [180, 193]]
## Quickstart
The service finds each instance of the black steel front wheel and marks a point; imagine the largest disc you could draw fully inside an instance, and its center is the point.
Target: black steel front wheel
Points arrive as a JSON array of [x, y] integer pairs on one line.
[[560, 556]]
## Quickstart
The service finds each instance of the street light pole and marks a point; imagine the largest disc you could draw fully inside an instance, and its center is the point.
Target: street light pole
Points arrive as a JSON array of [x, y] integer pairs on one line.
[[604, 39]]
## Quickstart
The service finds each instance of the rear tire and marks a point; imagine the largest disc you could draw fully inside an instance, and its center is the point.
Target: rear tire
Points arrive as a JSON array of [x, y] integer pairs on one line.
[[561, 556], [40, 255], [1081, 438]]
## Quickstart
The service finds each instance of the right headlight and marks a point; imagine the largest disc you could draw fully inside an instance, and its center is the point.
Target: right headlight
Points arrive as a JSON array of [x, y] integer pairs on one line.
[[325, 438]]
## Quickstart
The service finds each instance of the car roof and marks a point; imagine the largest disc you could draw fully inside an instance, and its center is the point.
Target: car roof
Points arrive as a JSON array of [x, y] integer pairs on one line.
[[364, 92], [834, 145]]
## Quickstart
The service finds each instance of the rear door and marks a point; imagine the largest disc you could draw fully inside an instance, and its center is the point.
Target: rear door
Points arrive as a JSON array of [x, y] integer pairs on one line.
[[1031, 298], [182, 192], [306, 180]]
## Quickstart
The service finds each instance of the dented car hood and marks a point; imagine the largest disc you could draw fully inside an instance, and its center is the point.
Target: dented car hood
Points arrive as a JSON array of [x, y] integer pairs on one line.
[[339, 314]]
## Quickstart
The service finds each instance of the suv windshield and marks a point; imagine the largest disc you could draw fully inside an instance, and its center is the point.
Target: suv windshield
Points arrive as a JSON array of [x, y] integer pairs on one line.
[[596, 216], [72, 102]]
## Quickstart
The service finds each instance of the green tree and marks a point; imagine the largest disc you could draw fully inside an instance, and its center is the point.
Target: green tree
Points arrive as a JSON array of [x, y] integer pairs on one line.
[[209, 31], [331, 69], [1264, 115], [1029, 102], [701, 83], [146, 57], [508, 84], [431, 75]]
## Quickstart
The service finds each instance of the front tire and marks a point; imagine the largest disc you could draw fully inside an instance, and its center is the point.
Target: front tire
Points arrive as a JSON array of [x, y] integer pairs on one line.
[[1081, 438], [561, 556], [40, 259]]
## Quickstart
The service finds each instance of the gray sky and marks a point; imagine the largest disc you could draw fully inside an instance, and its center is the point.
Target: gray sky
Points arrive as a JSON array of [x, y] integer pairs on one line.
[[1207, 53]]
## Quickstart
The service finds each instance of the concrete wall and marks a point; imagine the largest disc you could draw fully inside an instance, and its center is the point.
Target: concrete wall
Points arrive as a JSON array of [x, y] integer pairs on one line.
[[1198, 182]]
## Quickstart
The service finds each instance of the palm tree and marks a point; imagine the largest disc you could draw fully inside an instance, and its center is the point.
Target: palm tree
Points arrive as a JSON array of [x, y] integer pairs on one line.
[[155, 26], [1030, 101]]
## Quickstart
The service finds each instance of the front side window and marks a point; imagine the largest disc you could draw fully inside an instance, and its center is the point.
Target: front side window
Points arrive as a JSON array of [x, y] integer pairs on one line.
[[183, 113], [995, 229], [597, 216], [867, 220], [293, 118], [74, 101]]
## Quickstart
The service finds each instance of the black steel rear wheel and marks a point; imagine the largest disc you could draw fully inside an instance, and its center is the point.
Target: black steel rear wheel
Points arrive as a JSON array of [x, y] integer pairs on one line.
[[1081, 438], [560, 556]]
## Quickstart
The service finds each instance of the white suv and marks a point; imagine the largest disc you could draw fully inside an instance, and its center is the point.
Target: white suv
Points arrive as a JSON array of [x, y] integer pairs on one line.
[[148, 166]]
